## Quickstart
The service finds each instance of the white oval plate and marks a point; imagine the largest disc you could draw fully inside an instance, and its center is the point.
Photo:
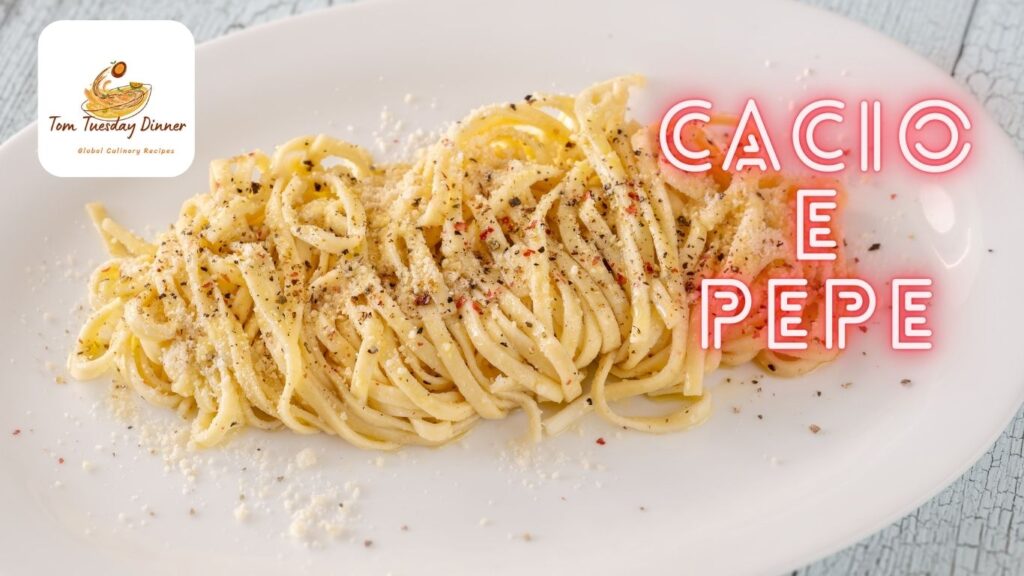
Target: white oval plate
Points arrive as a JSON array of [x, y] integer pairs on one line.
[[740, 495]]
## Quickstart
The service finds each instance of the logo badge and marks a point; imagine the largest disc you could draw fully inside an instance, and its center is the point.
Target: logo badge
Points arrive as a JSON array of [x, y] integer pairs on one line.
[[121, 127]]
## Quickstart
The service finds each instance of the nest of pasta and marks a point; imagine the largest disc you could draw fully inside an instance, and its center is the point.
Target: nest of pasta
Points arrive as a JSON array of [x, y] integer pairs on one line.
[[539, 256]]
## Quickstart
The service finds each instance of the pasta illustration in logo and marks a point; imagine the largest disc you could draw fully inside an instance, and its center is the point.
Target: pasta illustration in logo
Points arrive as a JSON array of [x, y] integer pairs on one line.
[[105, 103]]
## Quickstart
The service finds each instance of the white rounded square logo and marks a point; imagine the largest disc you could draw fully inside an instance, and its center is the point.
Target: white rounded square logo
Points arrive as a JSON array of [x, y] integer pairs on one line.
[[116, 98]]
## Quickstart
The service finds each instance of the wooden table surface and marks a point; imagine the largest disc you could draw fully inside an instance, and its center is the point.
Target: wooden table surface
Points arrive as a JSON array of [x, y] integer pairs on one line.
[[974, 527]]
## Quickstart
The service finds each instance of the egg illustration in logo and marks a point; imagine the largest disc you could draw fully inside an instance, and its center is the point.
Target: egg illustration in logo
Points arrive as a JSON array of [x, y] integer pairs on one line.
[[105, 103]]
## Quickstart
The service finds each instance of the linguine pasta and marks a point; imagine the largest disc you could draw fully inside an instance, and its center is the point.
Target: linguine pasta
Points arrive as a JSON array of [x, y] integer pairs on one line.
[[539, 256]]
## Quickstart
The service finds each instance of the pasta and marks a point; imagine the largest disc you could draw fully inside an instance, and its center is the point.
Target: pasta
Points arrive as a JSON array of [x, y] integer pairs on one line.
[[539, 256], [107, 103]]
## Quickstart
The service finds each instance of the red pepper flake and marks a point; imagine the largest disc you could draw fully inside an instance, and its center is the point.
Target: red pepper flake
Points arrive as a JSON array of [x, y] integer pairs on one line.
[[528, 252], [487, 232], [863, 329], [460, 226], [892, 196], [814, 428], [634, 196], [601, 442], [586, 195], [631, 209], [620, 278], [459, 302], [648, 267], [16, 432], [477, 307], [60, 460], [531, 225], [422, 299], [505, 222]]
